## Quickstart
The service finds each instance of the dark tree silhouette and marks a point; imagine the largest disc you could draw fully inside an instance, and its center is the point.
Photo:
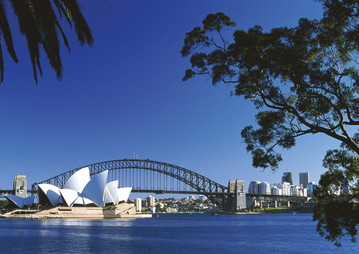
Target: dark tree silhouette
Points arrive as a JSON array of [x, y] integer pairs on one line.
[[306, 79], [39, 21]]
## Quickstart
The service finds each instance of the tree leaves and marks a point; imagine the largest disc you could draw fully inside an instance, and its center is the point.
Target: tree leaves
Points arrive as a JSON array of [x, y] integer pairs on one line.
[[40, 25], [304, 80]]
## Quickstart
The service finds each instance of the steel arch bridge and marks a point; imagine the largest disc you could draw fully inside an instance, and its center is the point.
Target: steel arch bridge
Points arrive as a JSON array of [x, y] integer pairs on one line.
[[151, 176]]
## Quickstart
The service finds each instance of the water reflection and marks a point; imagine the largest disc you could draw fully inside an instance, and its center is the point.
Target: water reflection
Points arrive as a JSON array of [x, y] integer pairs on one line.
[[88, 223], [169, 234]]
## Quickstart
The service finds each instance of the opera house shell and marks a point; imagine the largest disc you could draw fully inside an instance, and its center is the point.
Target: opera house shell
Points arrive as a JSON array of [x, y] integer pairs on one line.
[[20, 202], [79, 190]]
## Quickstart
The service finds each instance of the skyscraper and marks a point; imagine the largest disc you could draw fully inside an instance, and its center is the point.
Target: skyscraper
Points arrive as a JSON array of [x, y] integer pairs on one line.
[[304, 179], [151, 201], [138, 204], [287, 177]]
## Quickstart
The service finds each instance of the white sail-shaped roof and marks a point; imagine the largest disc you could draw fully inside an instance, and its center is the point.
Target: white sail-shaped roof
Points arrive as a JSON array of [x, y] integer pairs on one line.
[[95, 189], [82, 201], [16, 200], [123, 194], [111, 192], [52, 192], [69, 196], [78, 180], [28, 201]]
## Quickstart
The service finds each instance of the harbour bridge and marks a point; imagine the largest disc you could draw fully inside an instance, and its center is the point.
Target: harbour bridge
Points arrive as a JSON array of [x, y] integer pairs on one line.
[[150, 176]]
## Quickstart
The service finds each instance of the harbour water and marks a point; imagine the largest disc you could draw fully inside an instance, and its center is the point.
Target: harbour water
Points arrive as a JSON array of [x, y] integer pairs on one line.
[[170, 233]]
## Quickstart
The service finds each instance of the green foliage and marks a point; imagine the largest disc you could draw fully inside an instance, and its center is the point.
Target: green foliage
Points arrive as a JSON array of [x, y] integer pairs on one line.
[[3, 203], [337, 215], [40, 25], [305, 80]]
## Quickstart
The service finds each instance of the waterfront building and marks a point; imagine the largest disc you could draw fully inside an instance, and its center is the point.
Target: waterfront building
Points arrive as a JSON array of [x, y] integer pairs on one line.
[[311, 187], [151, 201], [287, 177], [298, 191], [286, 189], [295, 191], [138, 204], [278, 185], [305, 192], [264, 188], [81, 190], [20, 202], [304, 179], [276, 191], [253, 187]]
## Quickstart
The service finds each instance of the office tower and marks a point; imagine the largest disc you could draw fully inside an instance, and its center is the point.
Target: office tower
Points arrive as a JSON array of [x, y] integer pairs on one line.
[[286, 189], [287, 178], [138, 204], [151, 201], [311, 187], [304, 179], [253, 187], [264, 188]]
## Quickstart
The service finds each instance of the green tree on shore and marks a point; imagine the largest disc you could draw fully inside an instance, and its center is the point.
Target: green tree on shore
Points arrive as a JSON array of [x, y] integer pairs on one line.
[[39, 21], [304, 80]]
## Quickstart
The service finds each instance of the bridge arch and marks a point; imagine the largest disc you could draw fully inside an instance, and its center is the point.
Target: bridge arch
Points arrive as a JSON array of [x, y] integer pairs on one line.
[[151, 176]]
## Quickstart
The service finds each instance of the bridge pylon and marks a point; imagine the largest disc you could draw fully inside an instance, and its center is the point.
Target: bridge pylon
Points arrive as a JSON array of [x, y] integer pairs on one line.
[[236, 199]]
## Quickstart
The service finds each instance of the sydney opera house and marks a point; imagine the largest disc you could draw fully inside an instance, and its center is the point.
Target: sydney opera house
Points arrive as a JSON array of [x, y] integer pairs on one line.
[[81, 197]]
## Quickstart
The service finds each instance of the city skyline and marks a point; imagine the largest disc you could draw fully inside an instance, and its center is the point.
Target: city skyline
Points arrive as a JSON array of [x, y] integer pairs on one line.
[[125, 95]]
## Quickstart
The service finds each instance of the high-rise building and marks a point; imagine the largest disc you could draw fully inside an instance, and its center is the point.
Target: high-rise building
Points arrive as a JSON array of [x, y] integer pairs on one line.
[[264, 188], [311, 187], [304, 179], [138, 204], [20, 186], [276, 191], [287, 177], [295, 191], [151, 201], [286, 189], [253, 187]]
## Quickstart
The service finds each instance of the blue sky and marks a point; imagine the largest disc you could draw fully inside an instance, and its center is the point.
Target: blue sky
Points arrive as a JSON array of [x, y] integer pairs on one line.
[[125, 94]]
